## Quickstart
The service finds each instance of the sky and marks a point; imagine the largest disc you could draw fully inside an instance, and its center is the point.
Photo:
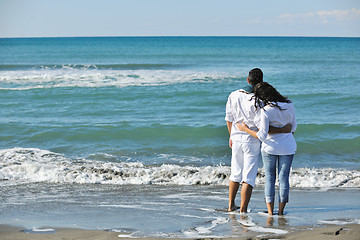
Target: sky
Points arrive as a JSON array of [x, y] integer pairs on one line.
[[77, 18]]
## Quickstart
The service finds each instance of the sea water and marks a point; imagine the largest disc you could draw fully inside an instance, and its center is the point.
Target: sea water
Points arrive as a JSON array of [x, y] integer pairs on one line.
[[126, 127]]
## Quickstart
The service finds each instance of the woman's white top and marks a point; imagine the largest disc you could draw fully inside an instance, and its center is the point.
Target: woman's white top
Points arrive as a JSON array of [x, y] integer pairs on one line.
[[278, 143]]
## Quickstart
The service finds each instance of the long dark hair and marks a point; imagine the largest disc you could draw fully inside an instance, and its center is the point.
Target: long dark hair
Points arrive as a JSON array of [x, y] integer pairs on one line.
[[265, 94]]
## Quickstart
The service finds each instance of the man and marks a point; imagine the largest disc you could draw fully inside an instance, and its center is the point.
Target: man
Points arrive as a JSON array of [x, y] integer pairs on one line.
[[246, 152]]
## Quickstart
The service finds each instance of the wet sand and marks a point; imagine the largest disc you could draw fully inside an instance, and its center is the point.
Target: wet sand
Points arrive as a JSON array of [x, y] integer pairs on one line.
[[329, 232], [345, 232]]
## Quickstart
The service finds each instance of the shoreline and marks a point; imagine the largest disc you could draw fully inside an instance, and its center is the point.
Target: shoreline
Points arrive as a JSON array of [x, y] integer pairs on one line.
[[326, 232], [154, 212]]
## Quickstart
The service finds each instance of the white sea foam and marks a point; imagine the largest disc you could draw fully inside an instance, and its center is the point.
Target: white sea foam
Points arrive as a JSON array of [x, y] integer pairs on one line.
[[128, 207], [182, 196], [340, 222], [204, 231], [40, 230], [21, 165], [43, 230], [207, 209], [267, 230], [322, 178], [70, 77], [193, 216], [126, 236], [246, 220], [35, 165], [325, 178]]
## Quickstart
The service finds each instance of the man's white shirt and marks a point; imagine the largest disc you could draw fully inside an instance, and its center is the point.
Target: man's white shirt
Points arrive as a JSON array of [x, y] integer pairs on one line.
[[240, 108]]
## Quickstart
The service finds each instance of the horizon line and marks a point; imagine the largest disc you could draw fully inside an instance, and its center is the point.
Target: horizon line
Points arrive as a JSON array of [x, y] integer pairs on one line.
[[159, 36]]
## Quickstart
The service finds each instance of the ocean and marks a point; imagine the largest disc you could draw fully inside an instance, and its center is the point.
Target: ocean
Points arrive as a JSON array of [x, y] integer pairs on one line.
[[131, 130]]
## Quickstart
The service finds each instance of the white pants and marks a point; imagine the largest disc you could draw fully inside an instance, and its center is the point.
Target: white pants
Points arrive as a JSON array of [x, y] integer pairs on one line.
[[245, 161]]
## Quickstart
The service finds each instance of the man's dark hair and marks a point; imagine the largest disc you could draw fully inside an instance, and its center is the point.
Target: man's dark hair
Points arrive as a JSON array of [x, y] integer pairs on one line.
[[255, 76]]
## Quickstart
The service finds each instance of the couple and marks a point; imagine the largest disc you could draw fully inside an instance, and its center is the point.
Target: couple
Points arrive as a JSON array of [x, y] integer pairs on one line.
[[261, 122]]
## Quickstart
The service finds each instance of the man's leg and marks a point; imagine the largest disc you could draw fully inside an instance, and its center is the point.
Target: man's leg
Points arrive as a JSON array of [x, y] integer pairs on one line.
[[246, 191], [236, 173], [233, 188], [251, 162]]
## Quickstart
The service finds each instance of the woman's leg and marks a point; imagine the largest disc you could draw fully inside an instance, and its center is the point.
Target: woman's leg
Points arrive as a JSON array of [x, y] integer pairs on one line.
[[284, 172], [281, 208], [269, 162], [270, 208]]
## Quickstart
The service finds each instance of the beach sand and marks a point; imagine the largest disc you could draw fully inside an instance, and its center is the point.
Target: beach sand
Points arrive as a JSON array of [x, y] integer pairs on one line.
[[344, 232]]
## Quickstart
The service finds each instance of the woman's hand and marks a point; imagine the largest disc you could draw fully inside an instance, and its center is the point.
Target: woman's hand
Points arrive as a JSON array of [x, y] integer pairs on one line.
[[242, 126]]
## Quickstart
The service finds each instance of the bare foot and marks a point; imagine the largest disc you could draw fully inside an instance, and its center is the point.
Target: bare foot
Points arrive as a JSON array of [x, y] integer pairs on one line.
[[232, 208]]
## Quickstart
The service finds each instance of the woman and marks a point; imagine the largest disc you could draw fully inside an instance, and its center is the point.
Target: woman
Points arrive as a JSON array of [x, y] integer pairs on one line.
[[276, 149]]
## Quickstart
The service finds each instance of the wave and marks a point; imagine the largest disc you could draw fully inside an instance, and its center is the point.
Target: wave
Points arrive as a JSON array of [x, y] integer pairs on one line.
[[63, 77], [24, 165], [126, 66]]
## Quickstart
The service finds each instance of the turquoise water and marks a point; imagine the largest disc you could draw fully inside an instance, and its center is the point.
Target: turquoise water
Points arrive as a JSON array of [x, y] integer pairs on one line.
[[138, 98]]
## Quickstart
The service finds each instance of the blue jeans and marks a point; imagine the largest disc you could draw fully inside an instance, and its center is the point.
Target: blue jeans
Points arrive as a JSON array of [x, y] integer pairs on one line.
[[284, 165]]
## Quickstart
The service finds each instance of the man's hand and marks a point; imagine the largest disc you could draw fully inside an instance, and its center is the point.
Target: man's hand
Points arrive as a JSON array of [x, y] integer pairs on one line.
[[285, 129], [230, 143]]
